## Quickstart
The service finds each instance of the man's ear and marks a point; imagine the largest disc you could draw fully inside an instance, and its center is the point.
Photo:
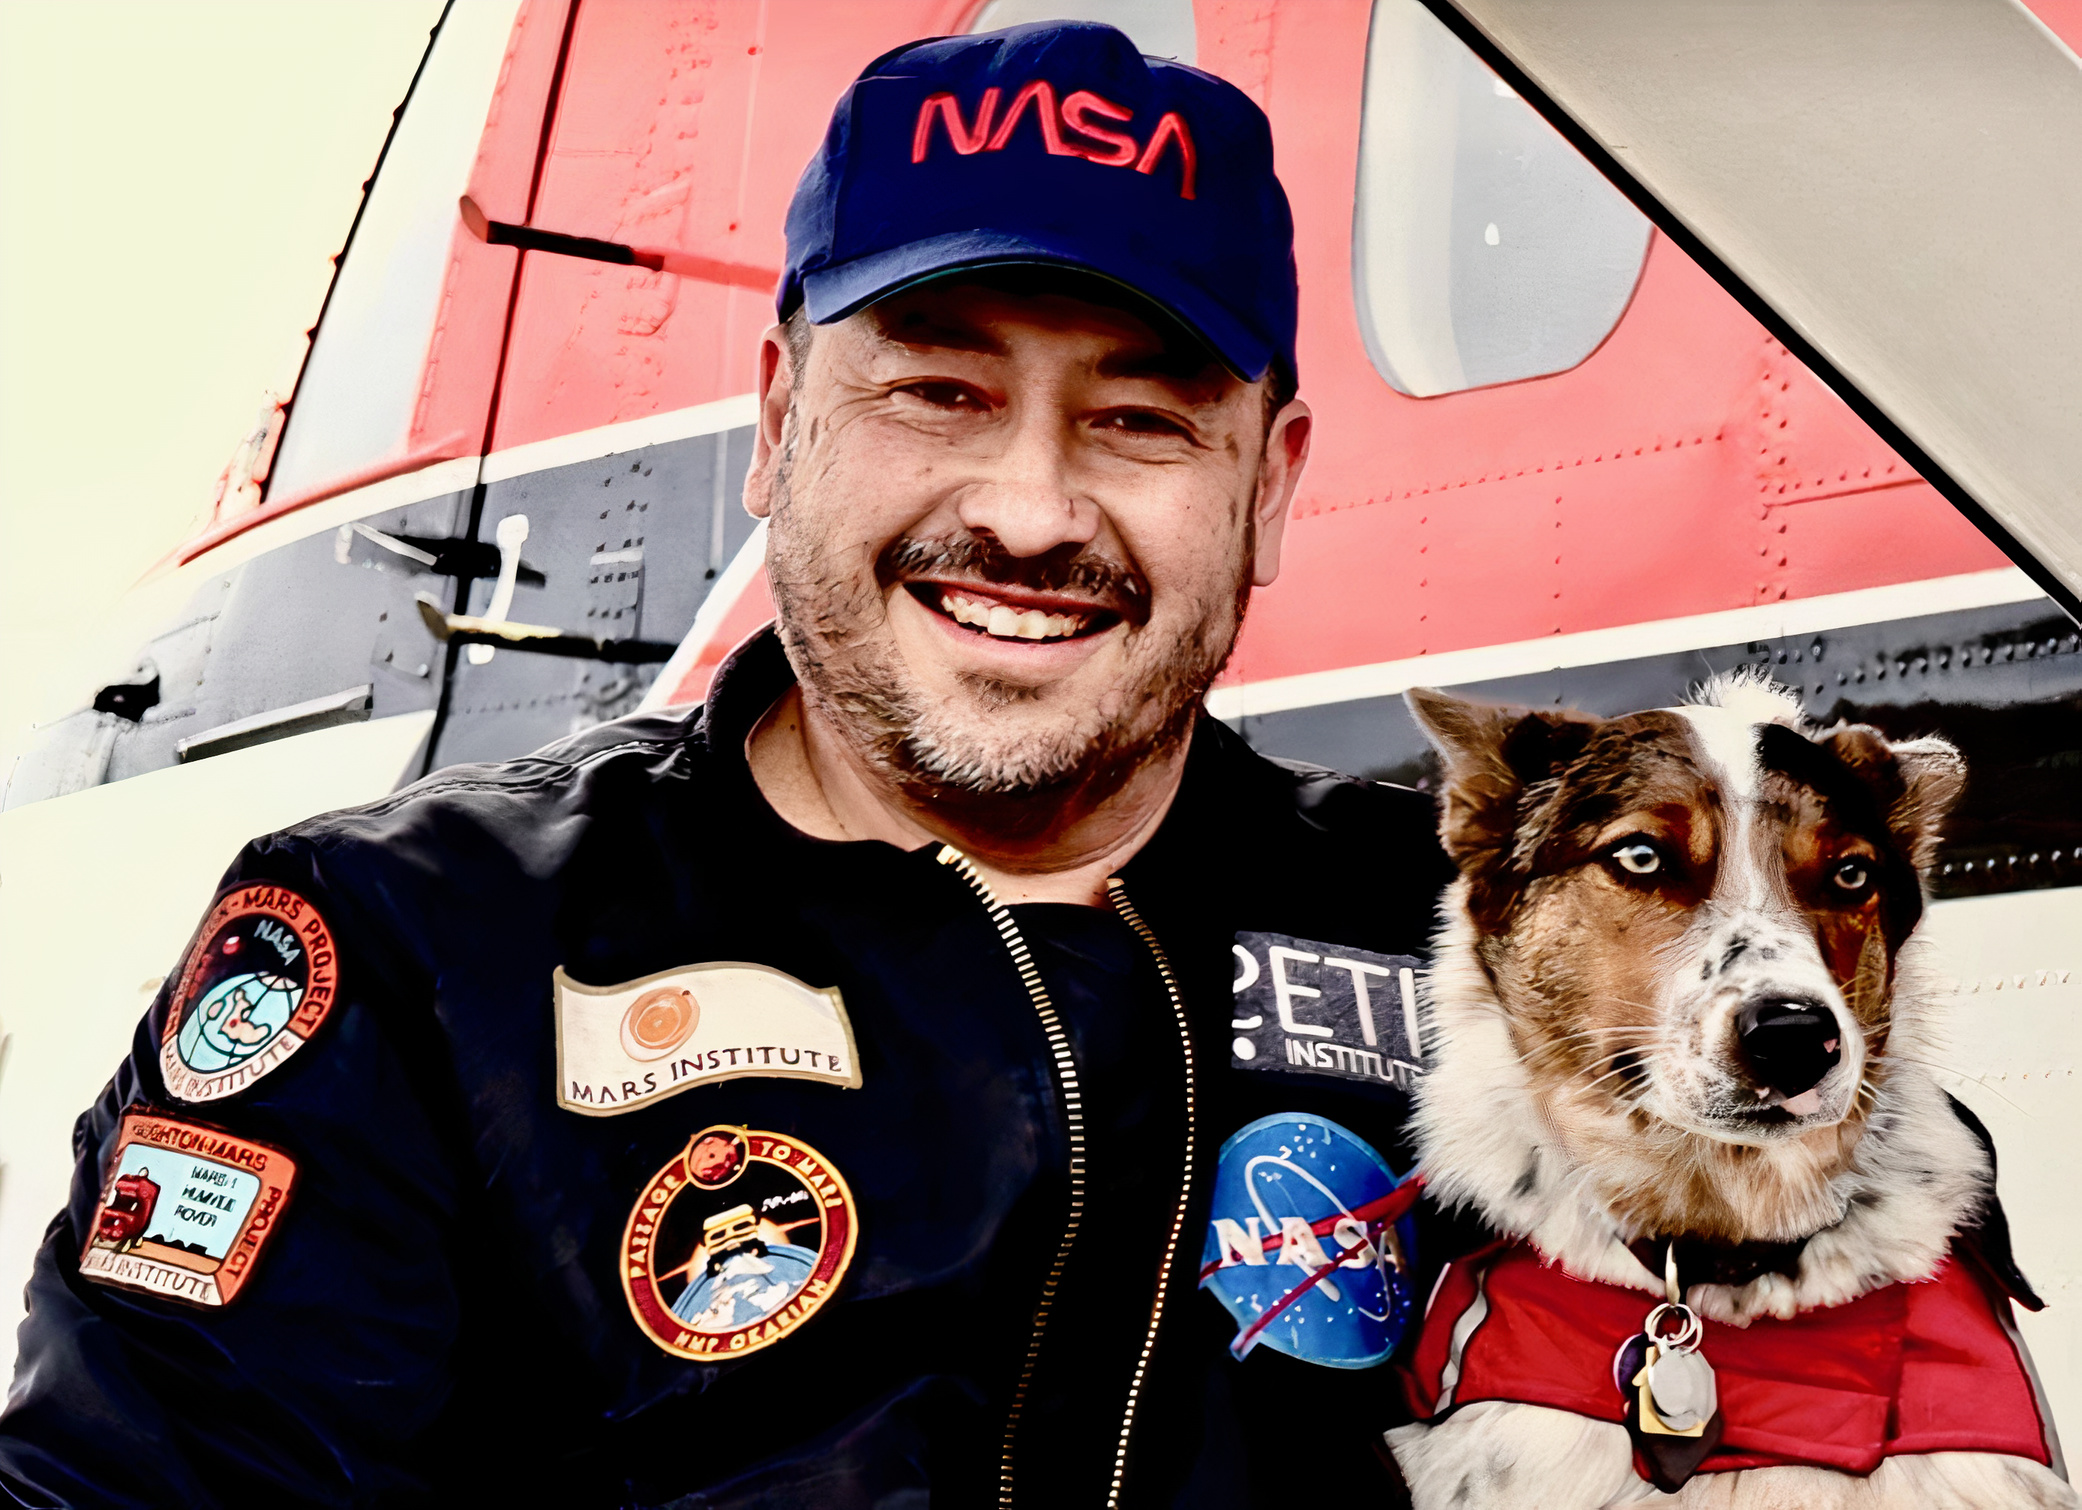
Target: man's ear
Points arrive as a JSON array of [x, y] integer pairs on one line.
[[1917, 782], [1491, 755], [777, 379], [1279, 474]]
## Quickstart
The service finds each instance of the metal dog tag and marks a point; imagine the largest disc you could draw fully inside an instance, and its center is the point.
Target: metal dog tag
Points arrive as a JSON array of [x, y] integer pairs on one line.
[[1678, 1394], [1681, 1389]]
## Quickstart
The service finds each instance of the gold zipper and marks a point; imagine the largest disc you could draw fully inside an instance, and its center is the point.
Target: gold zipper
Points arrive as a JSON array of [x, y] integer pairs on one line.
[[1073, 1117], [1118, 894]]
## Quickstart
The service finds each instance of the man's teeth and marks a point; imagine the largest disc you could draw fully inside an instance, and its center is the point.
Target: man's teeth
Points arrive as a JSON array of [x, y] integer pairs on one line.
[[1010, 623]]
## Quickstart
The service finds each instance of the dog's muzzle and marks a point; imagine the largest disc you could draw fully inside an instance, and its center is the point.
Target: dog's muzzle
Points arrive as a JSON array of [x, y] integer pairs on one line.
[[1788, 1045]]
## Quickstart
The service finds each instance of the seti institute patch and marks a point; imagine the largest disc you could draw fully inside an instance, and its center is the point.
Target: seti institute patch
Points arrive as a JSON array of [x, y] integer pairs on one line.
[[1310, 1008], [185, 1211], [1310, 1243], [736, 1243], [258, 982]]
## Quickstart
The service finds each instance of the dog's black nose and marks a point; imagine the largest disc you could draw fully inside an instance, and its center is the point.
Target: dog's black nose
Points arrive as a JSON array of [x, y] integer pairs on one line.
[[1790, 1045]]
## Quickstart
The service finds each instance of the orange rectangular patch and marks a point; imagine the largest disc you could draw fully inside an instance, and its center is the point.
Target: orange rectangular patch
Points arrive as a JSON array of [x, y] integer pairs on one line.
[[185, 1210]]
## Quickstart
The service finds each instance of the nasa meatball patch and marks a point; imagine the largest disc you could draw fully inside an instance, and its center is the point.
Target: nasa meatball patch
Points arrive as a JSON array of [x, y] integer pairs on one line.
[[736, 1243], [186, 1210], [256, 985], [1310, 1242]]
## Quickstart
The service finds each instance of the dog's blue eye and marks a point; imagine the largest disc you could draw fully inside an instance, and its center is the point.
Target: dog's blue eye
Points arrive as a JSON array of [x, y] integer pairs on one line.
[[1851, 875], [1641, 859]]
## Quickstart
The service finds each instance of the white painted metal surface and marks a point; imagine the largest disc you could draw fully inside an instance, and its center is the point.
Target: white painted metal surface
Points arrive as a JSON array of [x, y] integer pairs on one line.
[[2014, 1054]]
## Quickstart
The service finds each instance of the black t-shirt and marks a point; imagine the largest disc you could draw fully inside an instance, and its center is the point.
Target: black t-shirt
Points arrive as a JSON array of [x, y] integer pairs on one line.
[[1104, 983]]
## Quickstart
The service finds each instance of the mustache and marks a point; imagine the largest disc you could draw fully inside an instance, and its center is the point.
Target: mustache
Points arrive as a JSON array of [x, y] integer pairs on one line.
[[1067, 568]]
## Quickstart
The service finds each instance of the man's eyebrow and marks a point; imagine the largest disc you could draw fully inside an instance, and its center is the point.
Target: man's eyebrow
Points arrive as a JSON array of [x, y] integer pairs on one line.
[[916, 328], [1198, 376]]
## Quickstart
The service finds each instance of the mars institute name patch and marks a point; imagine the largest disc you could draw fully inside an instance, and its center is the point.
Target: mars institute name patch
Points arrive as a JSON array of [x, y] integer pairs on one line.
[[622, 1047], [736, 1243], [186, 1210], [259, 981]]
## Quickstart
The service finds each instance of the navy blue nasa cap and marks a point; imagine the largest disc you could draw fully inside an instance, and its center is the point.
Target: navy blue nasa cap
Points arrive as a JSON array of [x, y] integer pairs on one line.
[[1053, 143]]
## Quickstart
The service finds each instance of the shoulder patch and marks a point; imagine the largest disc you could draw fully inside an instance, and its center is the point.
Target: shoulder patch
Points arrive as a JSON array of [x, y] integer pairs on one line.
[[185, 1210], [1312, 1008], [1310, 1243], [257, 983], [736, 1243], [623, 1047]]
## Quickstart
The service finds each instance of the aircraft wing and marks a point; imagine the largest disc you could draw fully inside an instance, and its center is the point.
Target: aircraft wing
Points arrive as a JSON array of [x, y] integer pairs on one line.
[[1891, 186]]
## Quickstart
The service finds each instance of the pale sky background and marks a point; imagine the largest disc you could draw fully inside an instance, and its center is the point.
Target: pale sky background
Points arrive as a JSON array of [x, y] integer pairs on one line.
[[174, 178]]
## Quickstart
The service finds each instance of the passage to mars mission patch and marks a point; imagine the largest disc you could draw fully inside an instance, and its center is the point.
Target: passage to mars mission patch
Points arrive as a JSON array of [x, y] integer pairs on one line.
[[185, 1210], [257, 984], [736, 1243]]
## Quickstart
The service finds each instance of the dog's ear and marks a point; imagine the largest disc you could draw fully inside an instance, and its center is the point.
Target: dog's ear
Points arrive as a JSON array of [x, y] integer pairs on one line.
[[1491, 755], [1917, 783]]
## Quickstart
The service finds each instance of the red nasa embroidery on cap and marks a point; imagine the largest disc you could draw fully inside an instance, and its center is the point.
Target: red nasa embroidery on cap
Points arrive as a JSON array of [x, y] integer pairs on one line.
[[1119, 151], [257, 984], [185, 1210]]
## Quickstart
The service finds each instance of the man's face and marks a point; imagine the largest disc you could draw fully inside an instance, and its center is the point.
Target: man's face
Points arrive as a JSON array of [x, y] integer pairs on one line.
[[1012, 533]]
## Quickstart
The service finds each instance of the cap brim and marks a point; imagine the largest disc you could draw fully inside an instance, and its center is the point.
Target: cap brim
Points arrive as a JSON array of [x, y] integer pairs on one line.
[[833, 293]]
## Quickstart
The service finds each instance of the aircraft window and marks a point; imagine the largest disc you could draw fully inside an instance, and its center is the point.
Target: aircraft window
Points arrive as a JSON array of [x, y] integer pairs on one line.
[[355, 400], [1161, 28], [1485, 249]]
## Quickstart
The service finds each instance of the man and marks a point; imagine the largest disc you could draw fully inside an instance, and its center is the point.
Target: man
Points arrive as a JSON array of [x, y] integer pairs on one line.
[[1037, 1001]]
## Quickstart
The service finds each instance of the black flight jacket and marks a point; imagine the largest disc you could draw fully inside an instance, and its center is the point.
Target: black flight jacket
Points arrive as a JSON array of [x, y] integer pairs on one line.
[[441, 1310]]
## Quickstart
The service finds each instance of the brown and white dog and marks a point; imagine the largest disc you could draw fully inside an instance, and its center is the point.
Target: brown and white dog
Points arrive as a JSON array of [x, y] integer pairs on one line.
[[1678, 991]]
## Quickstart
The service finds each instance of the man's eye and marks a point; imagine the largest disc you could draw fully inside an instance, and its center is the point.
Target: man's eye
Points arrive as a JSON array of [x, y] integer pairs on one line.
[[942, 395], [1851, 875], [1641, 859], [1142, 422]]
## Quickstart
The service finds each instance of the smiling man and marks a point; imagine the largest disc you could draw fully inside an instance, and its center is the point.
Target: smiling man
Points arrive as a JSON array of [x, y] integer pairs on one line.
[[946, 1068]]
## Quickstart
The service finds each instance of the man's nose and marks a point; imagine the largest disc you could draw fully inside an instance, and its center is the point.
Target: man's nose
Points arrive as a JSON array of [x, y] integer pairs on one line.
[[1789, 1045], [1026, 496]]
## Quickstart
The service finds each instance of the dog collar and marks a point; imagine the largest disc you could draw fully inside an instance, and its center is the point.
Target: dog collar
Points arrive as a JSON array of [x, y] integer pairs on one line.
[[1703, 1261]]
